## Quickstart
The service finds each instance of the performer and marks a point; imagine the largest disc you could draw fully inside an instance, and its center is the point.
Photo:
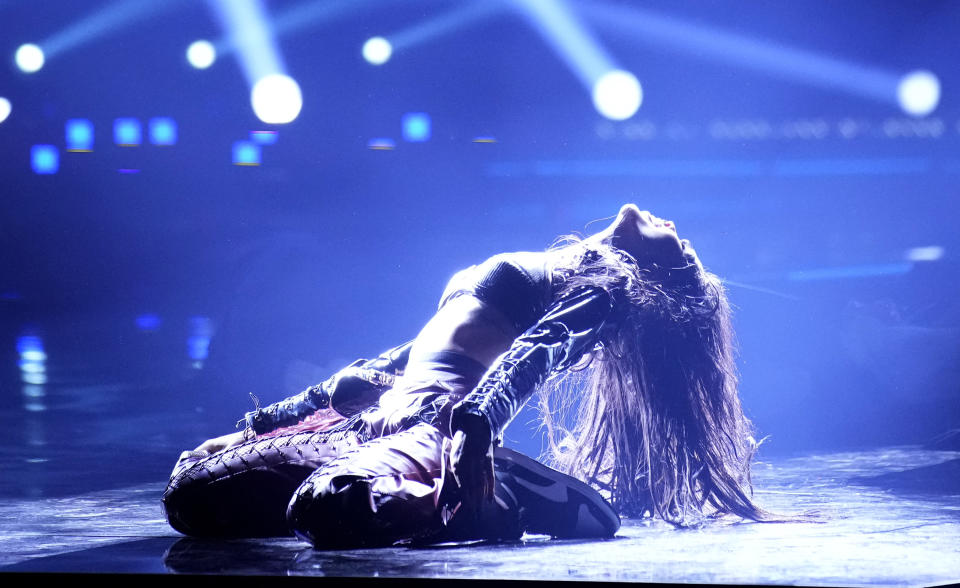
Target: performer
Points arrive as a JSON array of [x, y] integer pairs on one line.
[[625, 331]]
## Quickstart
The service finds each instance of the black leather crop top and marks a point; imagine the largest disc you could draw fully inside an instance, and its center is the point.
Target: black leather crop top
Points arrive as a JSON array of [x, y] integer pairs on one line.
[[517, 284]]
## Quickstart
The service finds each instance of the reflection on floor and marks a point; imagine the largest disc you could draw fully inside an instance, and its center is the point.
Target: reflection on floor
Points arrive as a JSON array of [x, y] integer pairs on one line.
[[889, 517]]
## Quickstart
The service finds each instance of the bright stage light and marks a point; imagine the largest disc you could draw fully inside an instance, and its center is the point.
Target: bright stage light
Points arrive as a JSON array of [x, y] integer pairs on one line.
[[276, 99], [5, 109], [163, 131], [416, 127], [377, 50], [617, 94], [127, 132], [246, 153], [79, 134], [44, 159], [919, 93], [201, 54], [29, 58]]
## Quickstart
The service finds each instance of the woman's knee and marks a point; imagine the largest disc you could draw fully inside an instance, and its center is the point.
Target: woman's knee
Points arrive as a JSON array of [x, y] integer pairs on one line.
[[384, 491], [212, 497], [334, 511]]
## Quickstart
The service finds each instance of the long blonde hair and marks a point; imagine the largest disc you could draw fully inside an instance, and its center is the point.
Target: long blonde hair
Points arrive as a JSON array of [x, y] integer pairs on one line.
[[657, 420]]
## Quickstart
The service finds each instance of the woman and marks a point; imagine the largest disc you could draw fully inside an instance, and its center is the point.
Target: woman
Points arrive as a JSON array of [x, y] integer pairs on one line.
[[625, 329]]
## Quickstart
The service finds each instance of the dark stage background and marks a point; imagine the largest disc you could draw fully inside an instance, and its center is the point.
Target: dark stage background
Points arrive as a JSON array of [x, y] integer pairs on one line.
[[146, 290]]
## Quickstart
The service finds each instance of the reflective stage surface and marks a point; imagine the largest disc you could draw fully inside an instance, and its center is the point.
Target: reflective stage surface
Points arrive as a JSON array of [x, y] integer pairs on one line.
[[88, 453], [889, 517]]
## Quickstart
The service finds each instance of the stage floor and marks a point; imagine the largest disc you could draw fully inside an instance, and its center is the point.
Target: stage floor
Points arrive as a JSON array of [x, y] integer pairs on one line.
[[84, 464], [890, 517]]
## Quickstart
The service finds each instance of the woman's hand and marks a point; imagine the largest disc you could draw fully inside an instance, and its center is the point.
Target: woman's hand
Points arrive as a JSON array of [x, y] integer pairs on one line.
[[211, 446], [471, 457]]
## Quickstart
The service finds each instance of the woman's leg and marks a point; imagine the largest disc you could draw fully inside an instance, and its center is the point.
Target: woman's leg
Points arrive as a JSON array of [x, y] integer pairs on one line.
[[394, 488], [244, 491], [399, 487]]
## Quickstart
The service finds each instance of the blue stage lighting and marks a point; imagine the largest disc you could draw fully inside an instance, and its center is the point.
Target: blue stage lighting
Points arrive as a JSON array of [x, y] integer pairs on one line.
[[928, 253], [29, 58], [148, 322], [33, 359], [919, 93], [79, 133], [617, 95], [246, 153], [198, 343], [44, 159], [853, 271], [5, 108], [416, 127], [430, 29], [127, 132], [163, 131], [377, 50], [201, 54], [263, 137], [276, 99], [30, 348]]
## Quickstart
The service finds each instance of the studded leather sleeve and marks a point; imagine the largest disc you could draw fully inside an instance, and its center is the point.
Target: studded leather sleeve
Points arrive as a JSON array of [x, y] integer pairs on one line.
[[569, 328], [348, 392]]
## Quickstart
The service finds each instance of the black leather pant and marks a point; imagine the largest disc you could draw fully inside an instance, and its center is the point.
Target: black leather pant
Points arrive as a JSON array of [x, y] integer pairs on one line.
[[336, 489]]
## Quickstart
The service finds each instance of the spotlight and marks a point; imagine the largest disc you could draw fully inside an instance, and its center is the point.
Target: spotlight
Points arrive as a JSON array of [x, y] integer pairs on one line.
[[44, 159], [201, 54], [79, 133], [918, 93], [276, 99], [617, 94], [5, 108], [163, 131], [416, 127], [377, 50], [127, 132], [29, 58], [246, 153]]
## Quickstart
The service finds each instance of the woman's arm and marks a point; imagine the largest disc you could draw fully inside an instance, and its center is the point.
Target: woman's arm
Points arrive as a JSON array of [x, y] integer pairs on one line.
[[349, 391], [570, 328]]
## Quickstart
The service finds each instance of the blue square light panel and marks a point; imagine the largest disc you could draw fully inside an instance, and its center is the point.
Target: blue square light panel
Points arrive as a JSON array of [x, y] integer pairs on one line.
[[163, 131], [127, 132], [148, 322], [44, 159], [416, 127], [79, 135], [246, 153], [263, 137]]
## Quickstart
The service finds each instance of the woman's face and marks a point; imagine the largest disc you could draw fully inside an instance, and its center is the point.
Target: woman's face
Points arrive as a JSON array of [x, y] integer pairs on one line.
[[650, 240]]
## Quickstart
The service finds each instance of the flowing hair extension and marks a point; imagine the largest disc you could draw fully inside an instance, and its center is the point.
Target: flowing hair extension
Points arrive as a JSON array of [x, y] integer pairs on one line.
[[658, 425]]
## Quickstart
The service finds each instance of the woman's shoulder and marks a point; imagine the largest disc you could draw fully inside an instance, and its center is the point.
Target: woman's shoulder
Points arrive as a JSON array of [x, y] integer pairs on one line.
[[517, 283]]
